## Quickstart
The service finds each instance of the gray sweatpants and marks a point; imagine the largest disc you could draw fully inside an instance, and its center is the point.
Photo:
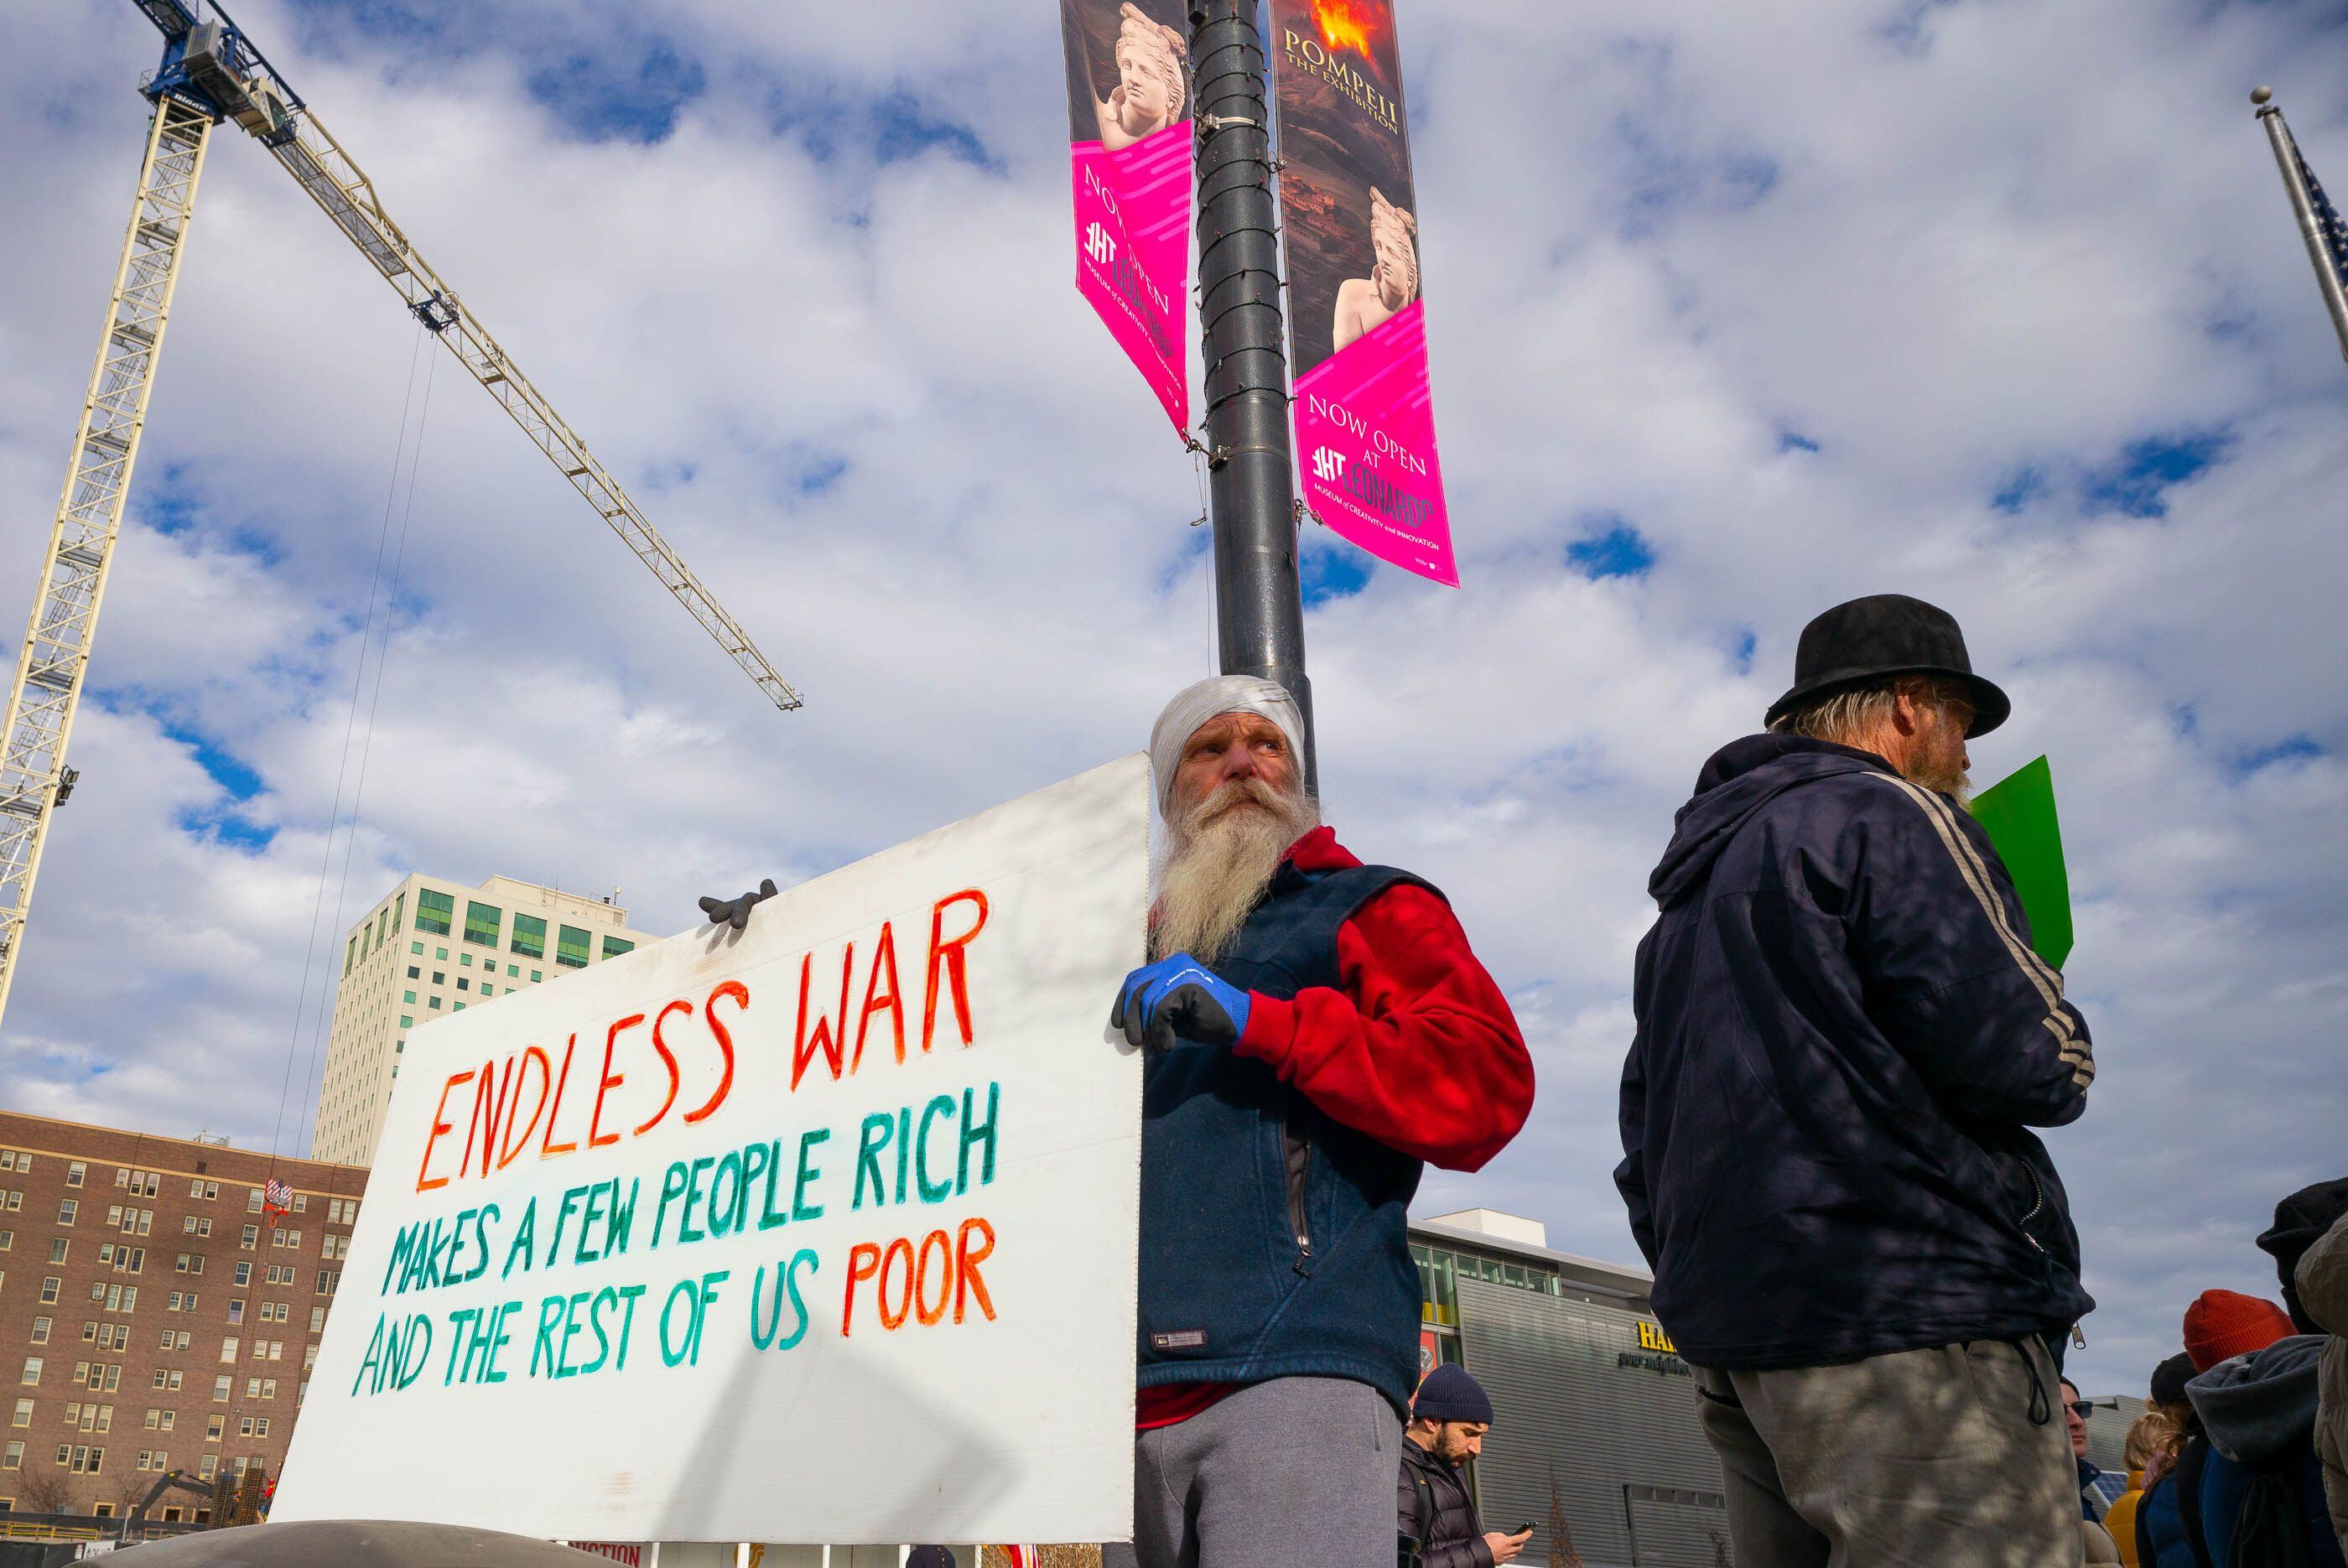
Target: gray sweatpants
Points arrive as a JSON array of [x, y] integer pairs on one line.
[[1942, 1456], [1295, 1471]]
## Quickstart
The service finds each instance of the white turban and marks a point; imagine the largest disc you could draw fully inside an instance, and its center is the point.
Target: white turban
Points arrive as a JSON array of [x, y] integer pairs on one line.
[[1195, 704]]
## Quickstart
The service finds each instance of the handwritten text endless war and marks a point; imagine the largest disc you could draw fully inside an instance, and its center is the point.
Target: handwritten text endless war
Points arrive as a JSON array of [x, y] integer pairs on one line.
[[931, 1153]]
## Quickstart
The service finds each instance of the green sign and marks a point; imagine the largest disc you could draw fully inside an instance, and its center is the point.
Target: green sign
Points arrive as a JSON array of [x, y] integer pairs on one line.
[[2018, 815]]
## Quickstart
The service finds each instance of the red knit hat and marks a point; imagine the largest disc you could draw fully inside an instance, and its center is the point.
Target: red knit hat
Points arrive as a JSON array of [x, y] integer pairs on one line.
[[2222, 1324]]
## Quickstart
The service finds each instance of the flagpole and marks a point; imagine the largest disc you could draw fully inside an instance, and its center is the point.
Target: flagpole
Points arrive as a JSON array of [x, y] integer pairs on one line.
[[1259, 603], [2303, 205]]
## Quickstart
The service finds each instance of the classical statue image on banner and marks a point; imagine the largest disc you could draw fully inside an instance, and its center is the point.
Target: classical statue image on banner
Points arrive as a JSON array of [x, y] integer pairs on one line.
[[1366, 302], [1153, 72]]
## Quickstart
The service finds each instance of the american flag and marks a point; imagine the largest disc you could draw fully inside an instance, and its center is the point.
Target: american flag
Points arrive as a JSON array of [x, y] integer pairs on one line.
[[2327, 219], [277, 1197]]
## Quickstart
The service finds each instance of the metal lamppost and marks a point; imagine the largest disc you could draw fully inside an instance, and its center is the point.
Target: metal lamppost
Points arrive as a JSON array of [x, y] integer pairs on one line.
[[1259, 602]]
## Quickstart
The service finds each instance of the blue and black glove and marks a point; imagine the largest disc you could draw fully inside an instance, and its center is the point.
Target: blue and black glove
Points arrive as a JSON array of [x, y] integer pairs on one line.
[[1179, 996]]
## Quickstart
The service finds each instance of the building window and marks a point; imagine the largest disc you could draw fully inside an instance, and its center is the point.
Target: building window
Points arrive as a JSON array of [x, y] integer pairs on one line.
[[41, 1331], [513, 971], [528, 936], [24, 1414], [414, 974], [434, 910], [228, 1347], [350, 951], [407, 997], [59, 1248], [407, 1021], [32, 1376], [415, 949], [67, 1209], [49, 1289], [614, 945], [481, 922], [15, 1457], [463, 984], [570, 948], [432, 1003]]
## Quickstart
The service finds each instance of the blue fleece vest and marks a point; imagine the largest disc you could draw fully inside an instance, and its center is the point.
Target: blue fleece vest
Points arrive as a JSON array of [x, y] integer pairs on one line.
[[1273, 1240]]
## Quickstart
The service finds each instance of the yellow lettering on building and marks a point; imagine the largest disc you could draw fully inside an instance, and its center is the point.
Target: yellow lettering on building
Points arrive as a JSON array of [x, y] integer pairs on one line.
[[1653, 1337]]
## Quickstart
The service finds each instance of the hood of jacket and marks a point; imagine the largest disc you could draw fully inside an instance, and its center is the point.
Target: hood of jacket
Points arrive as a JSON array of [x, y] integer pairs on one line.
[[1740, 779], [2256, 1405]]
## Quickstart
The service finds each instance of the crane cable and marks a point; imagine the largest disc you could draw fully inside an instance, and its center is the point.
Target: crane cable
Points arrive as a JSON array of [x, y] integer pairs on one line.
[[413, 456]]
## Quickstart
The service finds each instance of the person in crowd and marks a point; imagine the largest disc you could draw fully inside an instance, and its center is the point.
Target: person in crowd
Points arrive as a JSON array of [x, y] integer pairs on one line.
[[2167, 1400], [1436, 1516], [930, 1557], [2309, 1242], [2098, 1492], [1314, 1030], [2147, 1436], [2259, 1494], [1842, 1042]]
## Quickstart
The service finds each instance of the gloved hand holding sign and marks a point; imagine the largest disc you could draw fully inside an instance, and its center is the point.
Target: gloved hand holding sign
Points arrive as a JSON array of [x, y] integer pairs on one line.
[[1178, 995]]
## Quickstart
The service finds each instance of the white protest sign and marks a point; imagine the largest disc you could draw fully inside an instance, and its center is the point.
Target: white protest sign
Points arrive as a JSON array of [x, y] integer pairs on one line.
[[820, 1232]]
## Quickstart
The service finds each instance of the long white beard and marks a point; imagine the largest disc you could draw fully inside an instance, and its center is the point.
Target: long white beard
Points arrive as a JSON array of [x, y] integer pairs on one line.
[[1223, 853]]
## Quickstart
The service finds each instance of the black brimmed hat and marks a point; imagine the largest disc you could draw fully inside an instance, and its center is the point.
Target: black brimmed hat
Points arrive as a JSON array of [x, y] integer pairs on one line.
[[1867, 641]]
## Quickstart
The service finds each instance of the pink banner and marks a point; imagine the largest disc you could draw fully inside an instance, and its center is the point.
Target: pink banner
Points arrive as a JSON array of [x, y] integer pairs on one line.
[[1130, 166], [1365, 447], [1357, 328]]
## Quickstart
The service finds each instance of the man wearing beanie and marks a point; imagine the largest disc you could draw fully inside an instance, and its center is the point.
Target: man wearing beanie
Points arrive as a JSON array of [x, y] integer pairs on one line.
[[1437, 1516], [2259, 1487], [2309, 1242], [1843, 1042], [1313, 1030]]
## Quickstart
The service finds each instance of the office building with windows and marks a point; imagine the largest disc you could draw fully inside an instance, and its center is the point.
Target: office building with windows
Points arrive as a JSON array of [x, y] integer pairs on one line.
[[154, 1315], [430, 949]]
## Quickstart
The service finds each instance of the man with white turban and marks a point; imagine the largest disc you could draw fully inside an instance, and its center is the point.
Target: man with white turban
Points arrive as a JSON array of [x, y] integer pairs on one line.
[[1315, 1029]]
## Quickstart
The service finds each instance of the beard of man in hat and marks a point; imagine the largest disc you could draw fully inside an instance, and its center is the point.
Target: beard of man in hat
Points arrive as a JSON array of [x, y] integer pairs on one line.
[[1842, 1042], [1314, 1029]]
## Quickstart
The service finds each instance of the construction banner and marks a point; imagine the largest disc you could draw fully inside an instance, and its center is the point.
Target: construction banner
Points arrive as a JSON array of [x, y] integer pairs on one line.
[[1129, 164], [1349, 210], [819, 1231]]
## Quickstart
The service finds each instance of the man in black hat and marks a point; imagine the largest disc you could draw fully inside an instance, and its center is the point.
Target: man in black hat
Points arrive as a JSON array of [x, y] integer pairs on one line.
[[1448, 1419], [1843, 1040]]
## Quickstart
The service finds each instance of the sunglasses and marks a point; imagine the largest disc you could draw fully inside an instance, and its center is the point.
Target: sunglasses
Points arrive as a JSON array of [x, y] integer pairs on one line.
[[2083, 1409]]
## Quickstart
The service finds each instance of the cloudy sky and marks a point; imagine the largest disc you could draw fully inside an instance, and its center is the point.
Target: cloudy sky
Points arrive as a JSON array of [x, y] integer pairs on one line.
[[1736, 311]]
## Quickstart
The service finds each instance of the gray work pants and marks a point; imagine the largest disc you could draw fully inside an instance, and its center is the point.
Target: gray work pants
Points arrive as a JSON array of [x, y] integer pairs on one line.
[[1295, 1471], [1956, 1457]]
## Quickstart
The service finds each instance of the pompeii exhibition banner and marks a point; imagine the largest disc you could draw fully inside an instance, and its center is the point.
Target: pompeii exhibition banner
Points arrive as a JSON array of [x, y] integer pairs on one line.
[[1364, 429], [823, 1230], [1129, 164]]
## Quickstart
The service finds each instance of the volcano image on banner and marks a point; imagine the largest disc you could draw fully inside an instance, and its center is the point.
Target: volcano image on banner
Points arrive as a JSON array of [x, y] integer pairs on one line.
[[1130, 166], [1349, 212]]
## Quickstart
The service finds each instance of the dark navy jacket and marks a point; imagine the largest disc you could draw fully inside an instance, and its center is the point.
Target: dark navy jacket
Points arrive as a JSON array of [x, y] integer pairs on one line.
[[1843, 1039], [1273, 1240]]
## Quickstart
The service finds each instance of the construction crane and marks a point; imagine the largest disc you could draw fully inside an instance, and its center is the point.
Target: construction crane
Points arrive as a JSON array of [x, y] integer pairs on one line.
[[211, 72]]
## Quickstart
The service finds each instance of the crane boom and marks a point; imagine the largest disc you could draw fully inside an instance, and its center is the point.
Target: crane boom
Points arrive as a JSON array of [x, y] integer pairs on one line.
[[48, 689], [213, 62], [211, 72]]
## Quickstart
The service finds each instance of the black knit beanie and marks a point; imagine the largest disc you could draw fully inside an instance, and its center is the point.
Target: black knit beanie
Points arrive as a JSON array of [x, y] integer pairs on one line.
[[1450, 1393], [2169, 1379]]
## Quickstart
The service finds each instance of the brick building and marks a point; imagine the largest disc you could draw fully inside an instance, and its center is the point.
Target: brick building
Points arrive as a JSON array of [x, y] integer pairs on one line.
[[152, 1315]]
